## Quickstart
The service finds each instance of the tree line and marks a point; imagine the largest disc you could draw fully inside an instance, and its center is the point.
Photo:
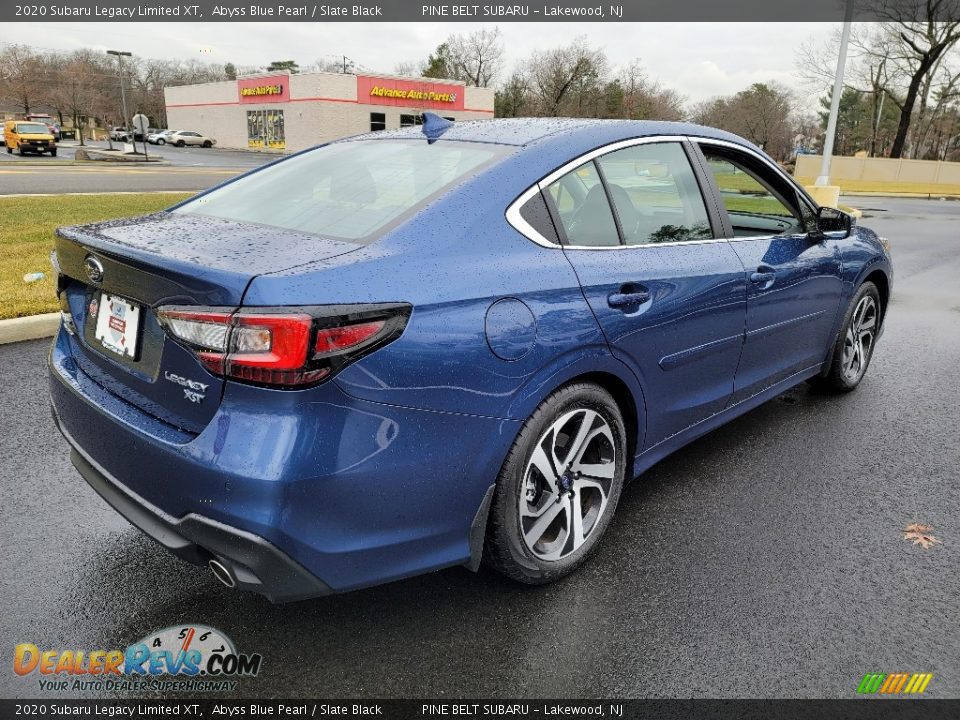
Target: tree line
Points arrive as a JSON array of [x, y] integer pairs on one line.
[[85, 84], [901, 96]]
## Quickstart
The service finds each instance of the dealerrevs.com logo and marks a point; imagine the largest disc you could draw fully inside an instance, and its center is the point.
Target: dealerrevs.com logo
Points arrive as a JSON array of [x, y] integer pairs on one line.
[[192, 658]]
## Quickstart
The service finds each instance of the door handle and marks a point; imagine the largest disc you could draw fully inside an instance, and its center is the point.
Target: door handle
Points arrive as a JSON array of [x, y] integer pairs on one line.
[[634, 296], [764, 274]]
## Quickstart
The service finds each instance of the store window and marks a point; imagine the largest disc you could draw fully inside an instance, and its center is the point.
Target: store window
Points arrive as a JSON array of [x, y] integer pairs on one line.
[[378, 121], [410, 120], [265, 129]]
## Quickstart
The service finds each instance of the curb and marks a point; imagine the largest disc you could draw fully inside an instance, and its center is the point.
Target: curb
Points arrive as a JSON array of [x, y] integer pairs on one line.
[[87, 163], [32, 327], [908, 195]]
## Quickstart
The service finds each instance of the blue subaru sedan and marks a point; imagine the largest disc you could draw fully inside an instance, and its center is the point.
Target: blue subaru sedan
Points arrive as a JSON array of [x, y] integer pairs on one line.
[[446, 344]]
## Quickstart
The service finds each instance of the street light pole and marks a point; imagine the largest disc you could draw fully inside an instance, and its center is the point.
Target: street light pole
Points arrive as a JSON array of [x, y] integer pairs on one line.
[[824, 178], [123, 95]]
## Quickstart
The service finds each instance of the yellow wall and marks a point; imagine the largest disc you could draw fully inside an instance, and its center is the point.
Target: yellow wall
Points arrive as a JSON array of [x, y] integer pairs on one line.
[[927, 172]]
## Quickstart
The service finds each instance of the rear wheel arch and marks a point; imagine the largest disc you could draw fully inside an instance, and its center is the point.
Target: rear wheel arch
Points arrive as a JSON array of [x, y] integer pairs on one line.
[[626, 402], [631, 403], [626, 392]]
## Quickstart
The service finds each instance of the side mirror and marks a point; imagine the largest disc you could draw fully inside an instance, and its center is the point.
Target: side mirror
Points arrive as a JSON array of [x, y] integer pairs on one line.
[[830, 220]]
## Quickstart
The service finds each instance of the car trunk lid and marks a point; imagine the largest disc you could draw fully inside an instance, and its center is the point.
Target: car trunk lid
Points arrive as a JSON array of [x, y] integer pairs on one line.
[[165, 259]]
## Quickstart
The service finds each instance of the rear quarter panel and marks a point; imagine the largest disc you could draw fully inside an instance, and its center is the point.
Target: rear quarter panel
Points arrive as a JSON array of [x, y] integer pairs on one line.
[[453, 261]]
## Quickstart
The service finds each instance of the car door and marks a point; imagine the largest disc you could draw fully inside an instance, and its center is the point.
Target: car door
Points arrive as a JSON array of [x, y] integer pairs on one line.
[[669, 297], [794, 282]]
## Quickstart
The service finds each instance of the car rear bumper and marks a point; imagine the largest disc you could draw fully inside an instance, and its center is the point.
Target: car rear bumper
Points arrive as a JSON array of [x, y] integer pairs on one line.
[[298, 493], [252, 562]]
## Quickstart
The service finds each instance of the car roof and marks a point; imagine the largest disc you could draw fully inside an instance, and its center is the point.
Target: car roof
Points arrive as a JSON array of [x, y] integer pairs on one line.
[[530, 131]]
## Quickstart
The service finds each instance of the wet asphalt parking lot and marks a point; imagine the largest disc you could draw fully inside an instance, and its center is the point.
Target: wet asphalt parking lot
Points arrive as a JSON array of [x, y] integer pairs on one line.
[[764, 560]]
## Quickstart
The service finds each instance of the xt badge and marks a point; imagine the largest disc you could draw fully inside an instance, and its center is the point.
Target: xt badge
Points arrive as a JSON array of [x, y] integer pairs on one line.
[[192, 390]]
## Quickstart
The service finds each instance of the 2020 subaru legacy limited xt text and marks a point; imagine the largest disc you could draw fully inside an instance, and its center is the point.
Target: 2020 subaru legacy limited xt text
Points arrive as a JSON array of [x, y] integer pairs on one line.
[[423, 348]]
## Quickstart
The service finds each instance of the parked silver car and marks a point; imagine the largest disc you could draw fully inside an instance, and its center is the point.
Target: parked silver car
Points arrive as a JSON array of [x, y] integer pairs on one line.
[[161, 137], [189, 137]]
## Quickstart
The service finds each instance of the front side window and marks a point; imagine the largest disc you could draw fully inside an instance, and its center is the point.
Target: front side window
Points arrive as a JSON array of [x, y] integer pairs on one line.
[[346, 190], [655, 193], [583, 209], [754, 202]]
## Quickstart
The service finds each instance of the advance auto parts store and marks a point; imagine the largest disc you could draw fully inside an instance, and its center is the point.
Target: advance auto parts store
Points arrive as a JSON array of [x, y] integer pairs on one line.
[[292, 112]]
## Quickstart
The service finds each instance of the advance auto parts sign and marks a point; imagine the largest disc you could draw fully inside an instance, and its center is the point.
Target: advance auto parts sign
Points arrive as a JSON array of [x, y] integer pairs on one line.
[[264, 89], [409, 93]]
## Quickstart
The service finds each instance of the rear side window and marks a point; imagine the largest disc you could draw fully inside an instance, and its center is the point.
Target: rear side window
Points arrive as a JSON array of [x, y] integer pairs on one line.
[[348, 190], [535, 213], [656, 194], [583, 209]]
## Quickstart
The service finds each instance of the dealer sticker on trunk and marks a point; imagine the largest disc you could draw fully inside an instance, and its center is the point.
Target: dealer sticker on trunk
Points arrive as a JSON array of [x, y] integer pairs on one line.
[[118, 322]]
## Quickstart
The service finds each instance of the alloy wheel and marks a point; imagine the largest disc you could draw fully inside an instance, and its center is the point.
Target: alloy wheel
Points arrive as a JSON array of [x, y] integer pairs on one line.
[[567, 483], [858, 342]]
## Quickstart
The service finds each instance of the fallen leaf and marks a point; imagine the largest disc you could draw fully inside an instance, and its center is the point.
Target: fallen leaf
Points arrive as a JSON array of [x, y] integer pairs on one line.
[[920, 535]]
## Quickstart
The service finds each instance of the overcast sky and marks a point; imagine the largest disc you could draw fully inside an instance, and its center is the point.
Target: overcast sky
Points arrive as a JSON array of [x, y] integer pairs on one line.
[[700, 60]]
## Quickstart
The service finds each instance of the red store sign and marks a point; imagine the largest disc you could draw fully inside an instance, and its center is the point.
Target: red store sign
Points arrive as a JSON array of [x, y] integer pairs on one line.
[[264, 89], [409, 93]]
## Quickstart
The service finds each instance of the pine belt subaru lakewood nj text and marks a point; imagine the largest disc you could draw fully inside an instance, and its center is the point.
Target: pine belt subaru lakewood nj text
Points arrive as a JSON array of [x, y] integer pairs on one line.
[[451, 343]]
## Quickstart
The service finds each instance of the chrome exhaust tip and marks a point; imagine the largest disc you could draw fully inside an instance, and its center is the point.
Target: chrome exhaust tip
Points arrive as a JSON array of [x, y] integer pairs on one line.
[[221, 573]]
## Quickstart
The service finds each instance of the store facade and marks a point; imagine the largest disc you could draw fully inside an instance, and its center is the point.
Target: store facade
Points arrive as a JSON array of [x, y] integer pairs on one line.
[[283, 112]]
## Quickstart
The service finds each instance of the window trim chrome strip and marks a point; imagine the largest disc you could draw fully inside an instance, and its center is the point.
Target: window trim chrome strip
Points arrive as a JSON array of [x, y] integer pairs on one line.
[[528, 231]]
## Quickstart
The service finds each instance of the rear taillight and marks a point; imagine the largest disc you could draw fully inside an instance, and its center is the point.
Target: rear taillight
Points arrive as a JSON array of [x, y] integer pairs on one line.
[[283, 347]]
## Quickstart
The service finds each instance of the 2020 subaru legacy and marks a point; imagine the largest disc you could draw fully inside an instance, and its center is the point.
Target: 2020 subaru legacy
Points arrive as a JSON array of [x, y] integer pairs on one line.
[[443, 345]]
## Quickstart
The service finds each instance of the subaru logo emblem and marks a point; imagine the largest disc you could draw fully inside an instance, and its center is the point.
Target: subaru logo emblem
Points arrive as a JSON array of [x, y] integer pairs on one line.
[[94, 269]]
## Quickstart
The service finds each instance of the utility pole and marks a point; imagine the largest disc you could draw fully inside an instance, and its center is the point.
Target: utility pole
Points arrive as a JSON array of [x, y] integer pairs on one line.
[[824, 179], [123, 96]]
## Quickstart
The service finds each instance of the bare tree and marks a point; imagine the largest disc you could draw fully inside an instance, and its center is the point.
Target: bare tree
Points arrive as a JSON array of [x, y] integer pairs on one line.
[[332, 64], [409, 68], [644, 99], [79, 87], [559, 78], [513, 99], [762, 114], [476, 58], [915, 42], [22, 76]]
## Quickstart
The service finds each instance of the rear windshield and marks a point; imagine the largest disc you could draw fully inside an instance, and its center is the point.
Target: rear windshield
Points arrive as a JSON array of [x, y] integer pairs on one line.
[[32, 129], [346, 190]]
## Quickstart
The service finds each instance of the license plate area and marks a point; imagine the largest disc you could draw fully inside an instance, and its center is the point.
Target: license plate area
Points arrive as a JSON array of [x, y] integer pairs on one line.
[[118, 325]]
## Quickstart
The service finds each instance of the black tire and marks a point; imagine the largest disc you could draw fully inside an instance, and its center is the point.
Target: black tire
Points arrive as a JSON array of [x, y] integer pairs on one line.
[[841, 375], [207, 144], [160, 142], [180, 143], [505, 548]]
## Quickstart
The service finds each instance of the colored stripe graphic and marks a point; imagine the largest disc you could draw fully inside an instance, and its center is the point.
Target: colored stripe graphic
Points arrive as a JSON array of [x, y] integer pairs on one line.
[[894, 683], [871, 683]]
